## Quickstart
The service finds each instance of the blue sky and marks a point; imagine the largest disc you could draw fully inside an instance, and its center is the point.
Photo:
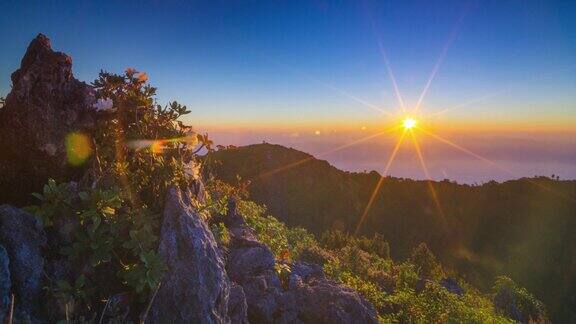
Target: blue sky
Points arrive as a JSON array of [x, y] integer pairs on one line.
[[266, 61], [308, 74]]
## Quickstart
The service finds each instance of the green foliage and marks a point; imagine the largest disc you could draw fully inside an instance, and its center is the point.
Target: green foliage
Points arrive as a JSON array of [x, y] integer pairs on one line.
[[286, 243], [108, 228], [334, 239], [316, 254], [376, 245], [142, 145], [111, 217], [407, 292], [393, 290], [283, 271], [221, 234], [56, 199], [71, 293], [363, 264], [512, 300], [426, 263], [434, 304]]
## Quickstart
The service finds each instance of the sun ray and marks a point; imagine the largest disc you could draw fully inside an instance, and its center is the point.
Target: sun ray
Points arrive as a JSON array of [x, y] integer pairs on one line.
[[467, 151], [509, 88], [341, 147], [352, 97], [330, 86], [387, 65], [468, 103], [428, 178], [440, 60], [379, 183]]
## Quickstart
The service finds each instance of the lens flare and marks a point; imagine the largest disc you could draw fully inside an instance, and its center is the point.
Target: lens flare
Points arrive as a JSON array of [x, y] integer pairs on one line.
[[78, 148]]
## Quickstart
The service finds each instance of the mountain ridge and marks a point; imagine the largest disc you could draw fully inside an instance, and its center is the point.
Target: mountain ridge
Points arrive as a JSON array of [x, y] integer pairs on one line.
[[519, 227]]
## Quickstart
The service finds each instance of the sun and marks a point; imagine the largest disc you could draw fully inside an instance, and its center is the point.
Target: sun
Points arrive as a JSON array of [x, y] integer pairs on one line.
[[409, 123]]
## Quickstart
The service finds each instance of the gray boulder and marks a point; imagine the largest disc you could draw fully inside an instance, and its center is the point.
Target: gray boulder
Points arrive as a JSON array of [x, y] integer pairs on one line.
[[319, 300], [452, 286], [306, 296], [237, 307], [4, 284], [23, 238], [45, 105], [195, 288]]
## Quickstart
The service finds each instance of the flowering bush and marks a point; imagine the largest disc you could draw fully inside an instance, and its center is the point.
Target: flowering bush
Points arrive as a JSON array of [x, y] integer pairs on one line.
[[111, 216]]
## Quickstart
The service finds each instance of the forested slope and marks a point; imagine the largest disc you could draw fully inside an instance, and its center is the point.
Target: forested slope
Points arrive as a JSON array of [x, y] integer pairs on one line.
[[523, 228]]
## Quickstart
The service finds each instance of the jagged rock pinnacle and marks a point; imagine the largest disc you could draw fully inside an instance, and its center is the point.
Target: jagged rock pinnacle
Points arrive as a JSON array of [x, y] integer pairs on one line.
[[46, 104]]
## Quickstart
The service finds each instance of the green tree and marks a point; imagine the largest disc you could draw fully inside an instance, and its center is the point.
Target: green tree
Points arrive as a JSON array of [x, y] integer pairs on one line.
[[425, 262], [516, 302]]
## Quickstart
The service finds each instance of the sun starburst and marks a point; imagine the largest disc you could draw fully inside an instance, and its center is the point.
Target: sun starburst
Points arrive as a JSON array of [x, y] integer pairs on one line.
[[409, 123]]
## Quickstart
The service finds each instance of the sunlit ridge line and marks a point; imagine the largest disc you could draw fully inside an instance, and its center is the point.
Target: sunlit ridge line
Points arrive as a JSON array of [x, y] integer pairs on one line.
[[338, 148], [387, 64], [439, 138], [379, 184], [428, 178], [451, 38]]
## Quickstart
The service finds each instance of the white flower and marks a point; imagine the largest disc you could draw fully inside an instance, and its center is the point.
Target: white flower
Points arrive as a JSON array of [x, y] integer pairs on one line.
[[192, 170], [103, 104]]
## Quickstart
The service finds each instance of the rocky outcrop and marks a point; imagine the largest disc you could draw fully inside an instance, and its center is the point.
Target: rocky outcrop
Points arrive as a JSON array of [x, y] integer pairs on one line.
[[5, 284], [452, 286], [195, 288], [45, 105], [306, 296], [23, 238], [237, 307]]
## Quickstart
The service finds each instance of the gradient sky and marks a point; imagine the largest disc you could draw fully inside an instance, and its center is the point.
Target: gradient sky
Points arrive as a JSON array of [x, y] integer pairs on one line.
[[299, 66]]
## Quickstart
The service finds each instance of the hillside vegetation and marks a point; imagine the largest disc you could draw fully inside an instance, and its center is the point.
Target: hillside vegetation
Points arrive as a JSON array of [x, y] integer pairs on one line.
[[413, 291], [522, 228]]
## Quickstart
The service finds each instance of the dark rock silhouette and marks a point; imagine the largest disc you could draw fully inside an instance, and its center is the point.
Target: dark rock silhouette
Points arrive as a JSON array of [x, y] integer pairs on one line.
[[195, 288], [5, 284], [23, 238], [46, 103], [505, 301], [452, 286]]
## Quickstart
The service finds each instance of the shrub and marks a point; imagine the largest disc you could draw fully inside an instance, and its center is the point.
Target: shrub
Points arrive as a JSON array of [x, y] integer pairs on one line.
[[139, 149], [376, 245], [317, 255], [516, 302], [425, 262], [334, 239]]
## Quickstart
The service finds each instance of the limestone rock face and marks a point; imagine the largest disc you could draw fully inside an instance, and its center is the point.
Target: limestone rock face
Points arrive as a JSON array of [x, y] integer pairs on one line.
[[307, 296], [237, 308], [46, 103], [23, 238], [196, 288]]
